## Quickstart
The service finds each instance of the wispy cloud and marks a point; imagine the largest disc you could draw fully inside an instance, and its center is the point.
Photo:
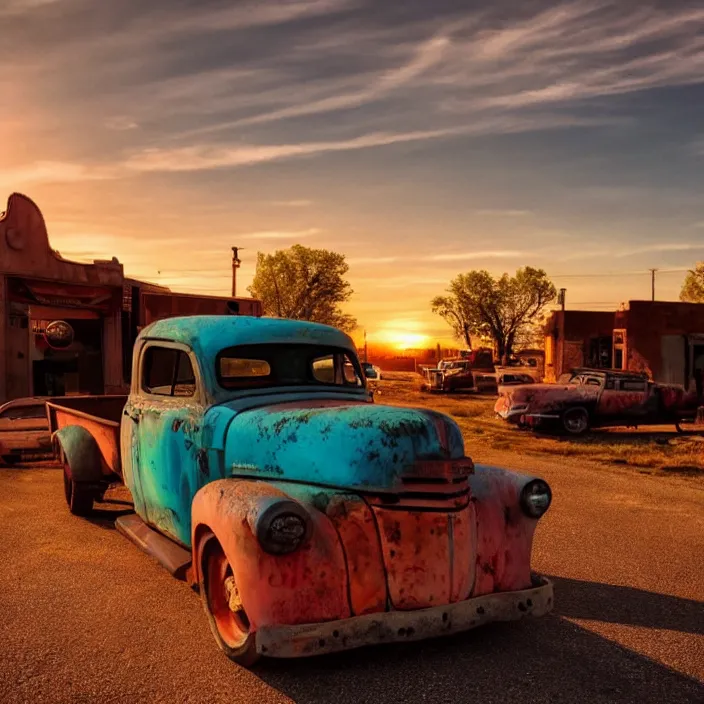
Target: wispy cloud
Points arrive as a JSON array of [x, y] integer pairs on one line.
[[505, 213], [202, 157], [424, 57], [488, 254], [49, 172], [371, 260], [661, 247], [280, 234], [120, 123], [292, 203]]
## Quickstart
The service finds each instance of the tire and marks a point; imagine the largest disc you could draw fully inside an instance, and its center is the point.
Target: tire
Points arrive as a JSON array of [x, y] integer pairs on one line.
[[78, 498], [575, 421], [230, 627]]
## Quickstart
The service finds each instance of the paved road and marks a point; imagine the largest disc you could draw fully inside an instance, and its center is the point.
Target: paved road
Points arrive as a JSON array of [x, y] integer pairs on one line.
[[86, 617]]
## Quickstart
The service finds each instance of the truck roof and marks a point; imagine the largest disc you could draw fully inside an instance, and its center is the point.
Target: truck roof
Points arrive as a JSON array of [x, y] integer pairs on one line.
[[209, 334]]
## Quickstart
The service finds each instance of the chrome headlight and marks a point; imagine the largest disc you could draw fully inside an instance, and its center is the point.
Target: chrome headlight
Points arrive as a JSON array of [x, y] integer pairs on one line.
[[282, 528], [536, 498]]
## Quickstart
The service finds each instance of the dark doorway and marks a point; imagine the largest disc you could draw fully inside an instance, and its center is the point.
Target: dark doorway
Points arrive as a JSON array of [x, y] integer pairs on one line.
[[78, 369], [698, 368], [600, 349]]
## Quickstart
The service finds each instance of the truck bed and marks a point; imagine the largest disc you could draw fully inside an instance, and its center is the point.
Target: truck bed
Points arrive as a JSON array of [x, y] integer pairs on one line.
[[100, 416]]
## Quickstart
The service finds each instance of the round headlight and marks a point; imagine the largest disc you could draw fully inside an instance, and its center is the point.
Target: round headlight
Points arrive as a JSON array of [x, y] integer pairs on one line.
[[282, 528], [536, 498]]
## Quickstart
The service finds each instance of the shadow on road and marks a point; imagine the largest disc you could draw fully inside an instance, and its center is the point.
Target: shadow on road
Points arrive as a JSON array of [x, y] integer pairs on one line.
[[542, 660], [626, 605]]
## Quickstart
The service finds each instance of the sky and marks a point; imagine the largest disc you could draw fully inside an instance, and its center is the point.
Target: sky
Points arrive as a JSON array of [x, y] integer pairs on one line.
[[421, 139]]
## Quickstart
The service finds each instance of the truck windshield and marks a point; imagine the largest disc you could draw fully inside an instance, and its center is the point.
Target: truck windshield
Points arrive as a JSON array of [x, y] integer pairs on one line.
[[261, 366]]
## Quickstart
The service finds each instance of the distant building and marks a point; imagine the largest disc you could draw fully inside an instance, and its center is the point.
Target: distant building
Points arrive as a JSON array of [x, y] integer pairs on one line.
[[67, 327], [661, 338]]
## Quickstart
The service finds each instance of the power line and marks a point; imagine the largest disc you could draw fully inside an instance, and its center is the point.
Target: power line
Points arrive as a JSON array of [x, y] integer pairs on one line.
[[617, 273]]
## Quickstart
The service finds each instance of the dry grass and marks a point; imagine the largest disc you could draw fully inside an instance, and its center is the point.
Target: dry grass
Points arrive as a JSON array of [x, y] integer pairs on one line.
[[659, 449]]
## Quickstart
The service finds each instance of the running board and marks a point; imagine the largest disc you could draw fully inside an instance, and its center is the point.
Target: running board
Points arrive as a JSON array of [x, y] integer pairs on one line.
[[168, 554]]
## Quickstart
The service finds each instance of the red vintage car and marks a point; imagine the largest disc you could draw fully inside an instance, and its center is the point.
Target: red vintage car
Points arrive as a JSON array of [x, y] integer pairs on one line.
[[589, 398]]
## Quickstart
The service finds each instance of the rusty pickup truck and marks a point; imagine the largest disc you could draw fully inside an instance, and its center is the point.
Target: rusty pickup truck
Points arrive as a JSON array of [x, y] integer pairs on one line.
[[590, 398], [310, 518]]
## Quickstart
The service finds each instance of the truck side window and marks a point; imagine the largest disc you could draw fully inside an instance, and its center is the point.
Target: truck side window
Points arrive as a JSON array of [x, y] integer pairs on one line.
[[167, 372]]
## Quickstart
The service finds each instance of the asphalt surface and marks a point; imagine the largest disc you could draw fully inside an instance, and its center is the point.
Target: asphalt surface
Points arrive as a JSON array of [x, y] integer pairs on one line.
[[86, 617]]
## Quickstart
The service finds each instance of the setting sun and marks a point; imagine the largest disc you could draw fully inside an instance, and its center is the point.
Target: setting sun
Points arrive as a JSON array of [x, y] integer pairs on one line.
[[401, 334]]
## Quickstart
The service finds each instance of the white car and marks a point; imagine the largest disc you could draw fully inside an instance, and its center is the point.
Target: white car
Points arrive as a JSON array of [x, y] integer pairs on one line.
[[371, 371]]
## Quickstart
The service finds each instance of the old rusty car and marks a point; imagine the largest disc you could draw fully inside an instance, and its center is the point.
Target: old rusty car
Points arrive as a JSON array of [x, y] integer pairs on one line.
[[311, 519], [590, 398], [464, 373]]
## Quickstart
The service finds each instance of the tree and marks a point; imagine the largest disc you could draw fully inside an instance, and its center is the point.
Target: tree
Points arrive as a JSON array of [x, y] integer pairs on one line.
[[693, 286], [304, 284], [503, 309]]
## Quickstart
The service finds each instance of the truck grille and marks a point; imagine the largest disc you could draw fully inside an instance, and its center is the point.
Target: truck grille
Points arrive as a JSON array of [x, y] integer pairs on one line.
[[430, 485]]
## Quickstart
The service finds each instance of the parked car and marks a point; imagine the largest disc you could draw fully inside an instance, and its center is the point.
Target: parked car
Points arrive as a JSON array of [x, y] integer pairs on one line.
[[312, 519], [24, 429], [505, 378], [371, 371], [461, 373], [590, 398]]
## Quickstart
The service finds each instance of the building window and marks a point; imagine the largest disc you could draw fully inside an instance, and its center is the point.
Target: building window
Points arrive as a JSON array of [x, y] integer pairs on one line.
[[620, 357], [600, 351]]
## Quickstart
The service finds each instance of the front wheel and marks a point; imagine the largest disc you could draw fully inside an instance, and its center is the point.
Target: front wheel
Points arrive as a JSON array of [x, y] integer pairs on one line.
[[575, 421], [78, 498], [223, 606]]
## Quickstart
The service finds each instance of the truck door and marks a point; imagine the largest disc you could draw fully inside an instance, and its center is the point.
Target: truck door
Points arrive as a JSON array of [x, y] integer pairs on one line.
[[169, 460]]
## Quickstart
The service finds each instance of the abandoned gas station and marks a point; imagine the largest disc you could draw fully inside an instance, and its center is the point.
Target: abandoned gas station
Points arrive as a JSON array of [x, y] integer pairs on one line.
[[68, 327], [663, 339]]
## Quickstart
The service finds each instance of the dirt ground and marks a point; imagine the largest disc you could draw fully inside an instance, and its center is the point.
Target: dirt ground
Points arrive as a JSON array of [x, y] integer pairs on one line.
[[651, 450]]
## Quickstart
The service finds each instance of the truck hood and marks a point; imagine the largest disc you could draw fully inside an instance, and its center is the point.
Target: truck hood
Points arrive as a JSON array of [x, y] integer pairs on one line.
[[344, 444]]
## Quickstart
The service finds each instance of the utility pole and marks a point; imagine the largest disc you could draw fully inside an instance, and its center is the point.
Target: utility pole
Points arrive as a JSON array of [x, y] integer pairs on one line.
[[235, 266], [366, 358], [561, 298], [652, 283]]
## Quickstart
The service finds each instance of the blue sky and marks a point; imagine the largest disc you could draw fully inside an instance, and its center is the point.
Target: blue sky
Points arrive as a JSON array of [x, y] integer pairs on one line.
[[421, 139]]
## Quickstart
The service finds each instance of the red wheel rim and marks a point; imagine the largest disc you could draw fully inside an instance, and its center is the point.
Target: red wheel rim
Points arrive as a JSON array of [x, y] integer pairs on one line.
[[223, 599]]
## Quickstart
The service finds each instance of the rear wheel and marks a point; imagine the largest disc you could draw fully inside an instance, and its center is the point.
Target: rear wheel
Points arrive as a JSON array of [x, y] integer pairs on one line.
[[78, 498], [575, 421], [223, 606]]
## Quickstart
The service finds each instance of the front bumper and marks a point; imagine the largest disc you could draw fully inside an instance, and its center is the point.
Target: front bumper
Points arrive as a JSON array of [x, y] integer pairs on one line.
[[396, 626]]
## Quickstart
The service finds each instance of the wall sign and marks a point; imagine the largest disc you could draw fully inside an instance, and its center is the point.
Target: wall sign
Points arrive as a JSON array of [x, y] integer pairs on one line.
[[59, 334]]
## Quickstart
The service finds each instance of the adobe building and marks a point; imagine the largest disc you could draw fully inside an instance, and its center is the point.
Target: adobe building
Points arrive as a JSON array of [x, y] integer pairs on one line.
[[660, 338], [69, 328]]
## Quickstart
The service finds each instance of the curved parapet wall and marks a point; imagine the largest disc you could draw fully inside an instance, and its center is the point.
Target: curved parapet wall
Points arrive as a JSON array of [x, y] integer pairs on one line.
[[25, 249]]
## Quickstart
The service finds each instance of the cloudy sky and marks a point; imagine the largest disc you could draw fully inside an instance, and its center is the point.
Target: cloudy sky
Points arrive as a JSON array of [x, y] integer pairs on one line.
[[420, 138]]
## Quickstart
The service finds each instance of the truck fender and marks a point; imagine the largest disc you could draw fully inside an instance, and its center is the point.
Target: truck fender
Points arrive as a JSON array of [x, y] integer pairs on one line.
[[81, 455], [308, 585], [504, 530]]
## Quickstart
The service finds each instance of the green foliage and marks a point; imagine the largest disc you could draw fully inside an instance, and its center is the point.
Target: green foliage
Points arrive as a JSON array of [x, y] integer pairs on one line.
[[503, 309], [304, 284], [693, 286]]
